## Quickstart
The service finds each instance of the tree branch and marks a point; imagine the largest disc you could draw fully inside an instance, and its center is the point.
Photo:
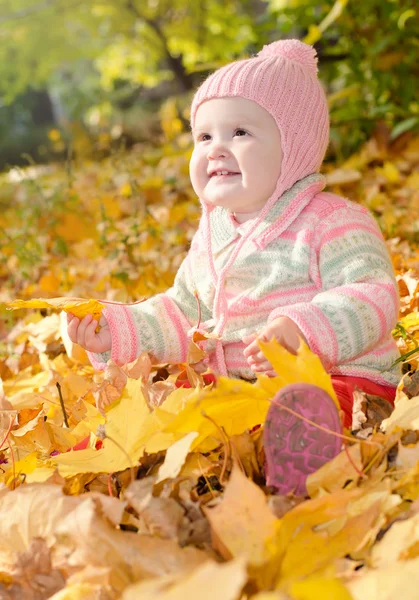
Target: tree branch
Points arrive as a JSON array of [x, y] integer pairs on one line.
[[175, 62]]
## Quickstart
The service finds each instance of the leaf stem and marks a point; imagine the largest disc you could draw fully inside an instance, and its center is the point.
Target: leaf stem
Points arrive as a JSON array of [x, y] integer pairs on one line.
[[62, 405]]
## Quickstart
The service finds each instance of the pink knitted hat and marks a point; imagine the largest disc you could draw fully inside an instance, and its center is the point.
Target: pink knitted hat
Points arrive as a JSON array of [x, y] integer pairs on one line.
[[282, 78]]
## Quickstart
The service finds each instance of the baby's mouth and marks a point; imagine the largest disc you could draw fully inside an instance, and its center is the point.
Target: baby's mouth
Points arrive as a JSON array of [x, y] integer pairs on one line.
[[223, 175]]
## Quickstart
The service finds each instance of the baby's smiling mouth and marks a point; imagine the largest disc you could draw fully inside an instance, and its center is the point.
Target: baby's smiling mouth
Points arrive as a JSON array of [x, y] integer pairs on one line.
[[223, 173]]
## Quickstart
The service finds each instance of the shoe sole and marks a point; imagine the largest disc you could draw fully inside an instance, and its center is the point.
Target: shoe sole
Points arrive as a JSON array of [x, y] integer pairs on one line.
[[294, 448]]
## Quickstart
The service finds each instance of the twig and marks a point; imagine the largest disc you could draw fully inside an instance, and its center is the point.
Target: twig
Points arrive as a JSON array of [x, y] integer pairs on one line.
[[227, 448], [62, 405], [360, 473], [7, 433], [110, 485]]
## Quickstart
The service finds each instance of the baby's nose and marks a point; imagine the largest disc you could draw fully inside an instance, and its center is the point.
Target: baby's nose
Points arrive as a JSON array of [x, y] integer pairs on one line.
[[217, 150]]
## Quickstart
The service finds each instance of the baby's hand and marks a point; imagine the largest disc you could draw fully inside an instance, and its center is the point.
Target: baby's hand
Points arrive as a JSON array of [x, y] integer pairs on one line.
[[83, 333], [287, 334]]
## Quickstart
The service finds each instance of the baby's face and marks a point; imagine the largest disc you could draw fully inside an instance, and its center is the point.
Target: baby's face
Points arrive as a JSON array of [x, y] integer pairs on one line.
[[241, 137]]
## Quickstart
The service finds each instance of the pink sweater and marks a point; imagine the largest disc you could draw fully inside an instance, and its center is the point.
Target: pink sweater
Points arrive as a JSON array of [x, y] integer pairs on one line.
[[316, 258]]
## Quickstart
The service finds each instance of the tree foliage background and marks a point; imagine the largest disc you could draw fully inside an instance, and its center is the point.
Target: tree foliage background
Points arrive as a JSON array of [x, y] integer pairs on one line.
[[110, 64]]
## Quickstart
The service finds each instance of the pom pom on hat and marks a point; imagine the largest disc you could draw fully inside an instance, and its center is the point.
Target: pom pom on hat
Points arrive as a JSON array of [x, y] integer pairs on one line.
[[293, 50]]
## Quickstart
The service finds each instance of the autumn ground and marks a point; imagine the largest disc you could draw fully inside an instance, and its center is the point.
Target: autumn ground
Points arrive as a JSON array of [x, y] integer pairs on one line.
[[91, 504]]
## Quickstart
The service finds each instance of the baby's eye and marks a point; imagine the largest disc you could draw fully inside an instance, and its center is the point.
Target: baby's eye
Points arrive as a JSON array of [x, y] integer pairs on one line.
[[240, 132], [204, 137]]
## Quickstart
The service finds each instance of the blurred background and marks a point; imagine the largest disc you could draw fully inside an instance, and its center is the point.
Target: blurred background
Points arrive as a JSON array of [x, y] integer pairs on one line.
[[86, 76]]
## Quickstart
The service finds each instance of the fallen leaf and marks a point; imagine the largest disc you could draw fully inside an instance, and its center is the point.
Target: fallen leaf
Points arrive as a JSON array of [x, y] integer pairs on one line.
[[368, 412], [140, 367], [126, 425], [111, 388], [208, 582], [85, 537], [397, 580], [175, 457], [326, 528], [159, 516], [304, 367], [244, 526], [333, 475], [404, 416], [314, 588], [234, 405], [23, 516], [33, 573], [76, 306], [82, 591]]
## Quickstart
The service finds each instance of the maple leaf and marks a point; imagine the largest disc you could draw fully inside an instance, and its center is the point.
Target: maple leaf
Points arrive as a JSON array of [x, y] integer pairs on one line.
[[76, 306]]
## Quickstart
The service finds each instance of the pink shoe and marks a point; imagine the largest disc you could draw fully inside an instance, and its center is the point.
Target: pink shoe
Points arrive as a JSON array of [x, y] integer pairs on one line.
[[293, 447]]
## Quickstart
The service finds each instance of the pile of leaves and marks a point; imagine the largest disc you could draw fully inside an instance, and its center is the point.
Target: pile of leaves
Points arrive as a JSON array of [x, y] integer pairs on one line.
[[124, 485]]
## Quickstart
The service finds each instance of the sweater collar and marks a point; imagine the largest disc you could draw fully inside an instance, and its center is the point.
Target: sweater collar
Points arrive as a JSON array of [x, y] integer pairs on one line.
[[287, 208]]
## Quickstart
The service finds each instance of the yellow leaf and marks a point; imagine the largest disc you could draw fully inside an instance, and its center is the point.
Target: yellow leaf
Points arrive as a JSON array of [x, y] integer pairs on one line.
[[305, 367], [175, 457], [410, 321], [245, 526], [126, 190], [327, 528], [40, 475], [314, 588], [126, 425], [77, 306], [313, 35], [389, 171], [49, 283], [21, 392], [80, 591], [333, 475], [235, 405], [25, 465]]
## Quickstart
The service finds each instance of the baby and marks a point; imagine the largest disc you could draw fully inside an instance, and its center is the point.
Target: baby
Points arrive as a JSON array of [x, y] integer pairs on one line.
[[274, 256]]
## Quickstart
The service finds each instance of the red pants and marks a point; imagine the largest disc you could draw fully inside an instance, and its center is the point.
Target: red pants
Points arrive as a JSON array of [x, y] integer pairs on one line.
[[345, 387]]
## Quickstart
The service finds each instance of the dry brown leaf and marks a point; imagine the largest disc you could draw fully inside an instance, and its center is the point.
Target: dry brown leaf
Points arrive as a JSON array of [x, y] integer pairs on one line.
[[333, 475], [244, 451], [33, 574], [140, 367], [368, 412], [158, 516], [396, 580], [243, 525], [86, 538], [111, 388], [23, 515], [210, 581], [157, 392]]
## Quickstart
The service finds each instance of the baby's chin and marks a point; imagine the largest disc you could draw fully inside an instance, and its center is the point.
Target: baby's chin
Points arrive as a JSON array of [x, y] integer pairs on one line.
[[232, 201]]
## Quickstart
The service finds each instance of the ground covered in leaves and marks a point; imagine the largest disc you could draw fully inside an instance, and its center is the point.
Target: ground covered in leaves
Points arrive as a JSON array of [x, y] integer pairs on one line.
[[123, 485]]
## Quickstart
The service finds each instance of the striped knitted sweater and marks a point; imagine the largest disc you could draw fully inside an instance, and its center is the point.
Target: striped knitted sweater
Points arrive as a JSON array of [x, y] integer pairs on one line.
[[316, 258]]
